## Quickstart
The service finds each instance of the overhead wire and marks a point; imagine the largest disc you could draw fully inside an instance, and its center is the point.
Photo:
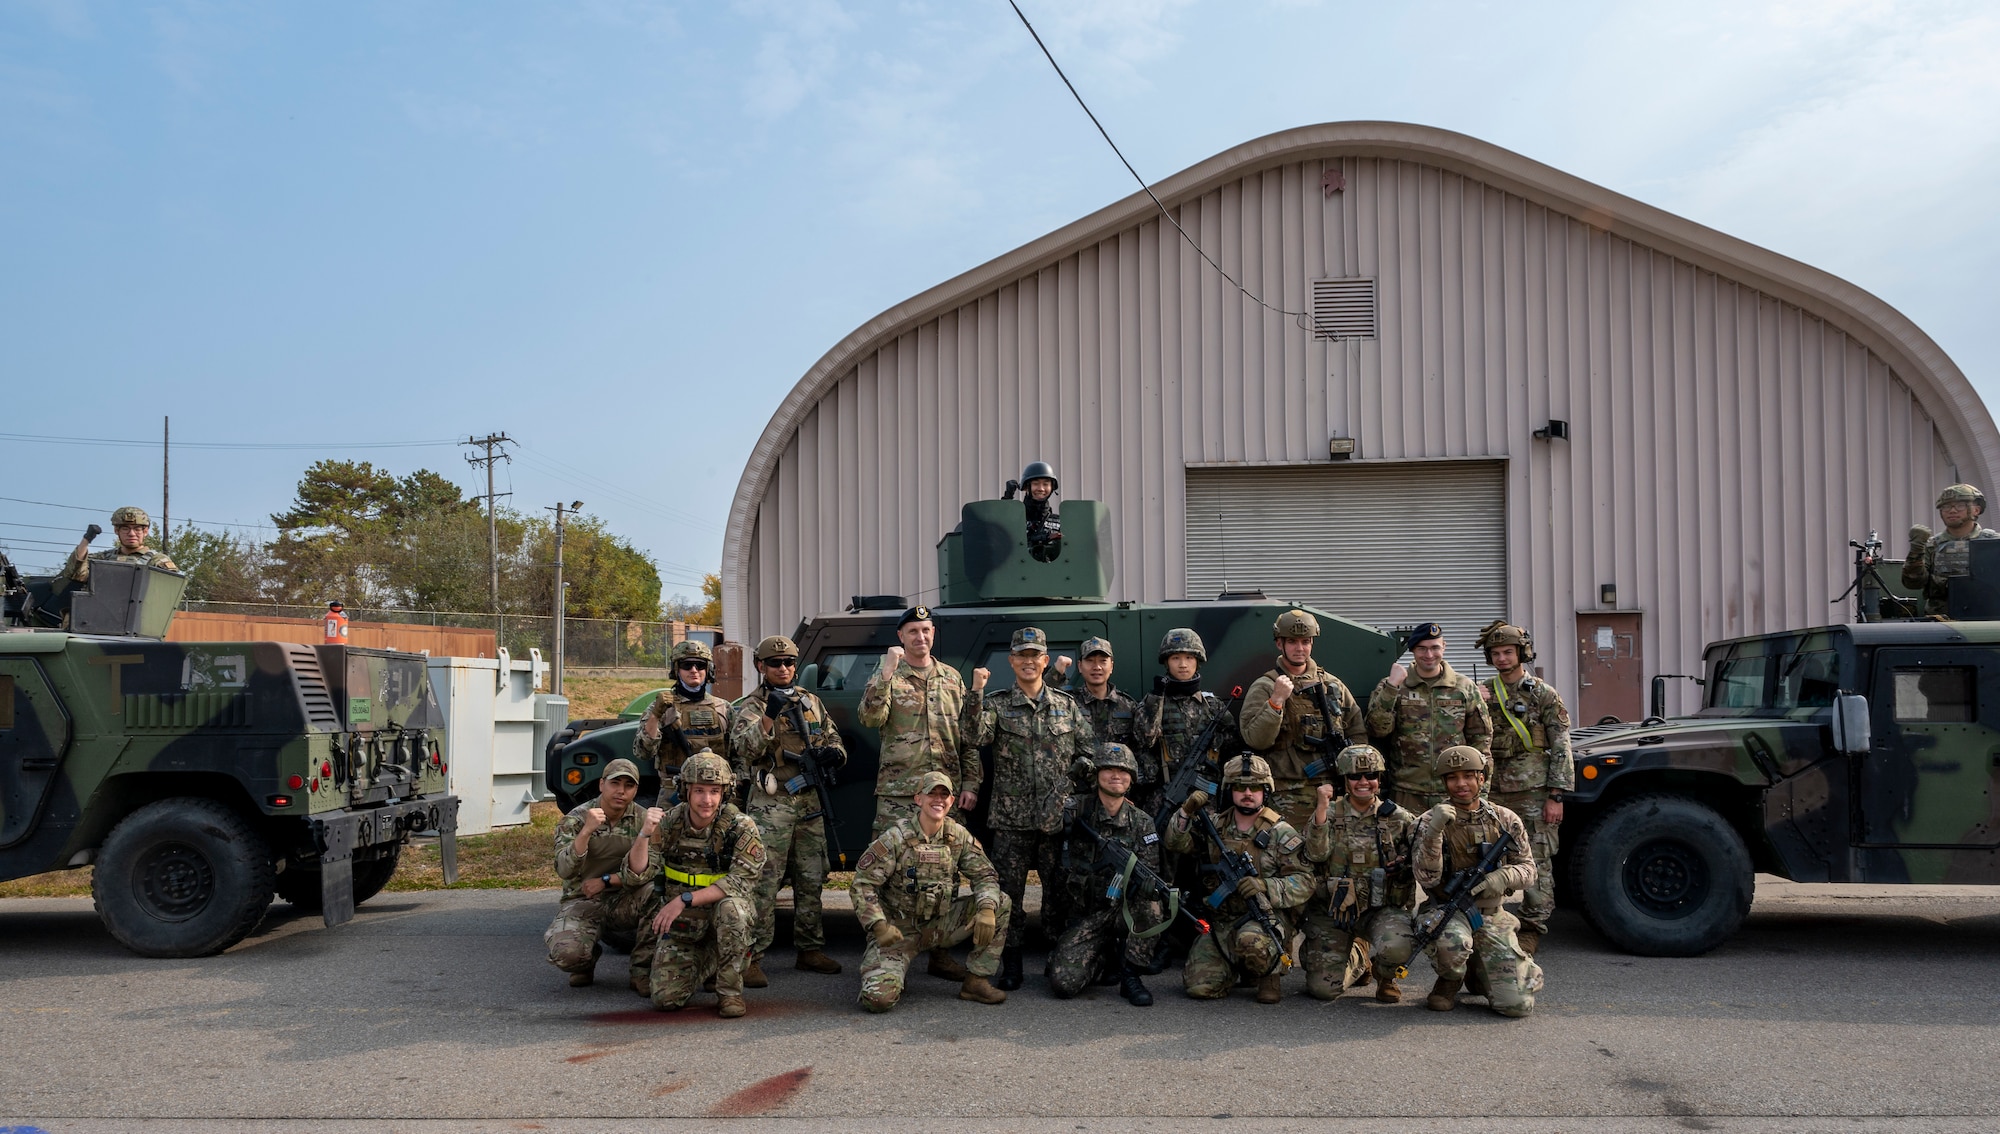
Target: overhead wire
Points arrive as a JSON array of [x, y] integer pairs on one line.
[[46, 439]]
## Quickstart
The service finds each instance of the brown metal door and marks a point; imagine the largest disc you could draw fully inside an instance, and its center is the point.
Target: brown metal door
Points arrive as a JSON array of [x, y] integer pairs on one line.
[[1610, 673]]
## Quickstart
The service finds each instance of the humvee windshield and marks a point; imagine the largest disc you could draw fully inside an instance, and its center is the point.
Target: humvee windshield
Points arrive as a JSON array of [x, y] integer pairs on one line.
[[1781, 676]]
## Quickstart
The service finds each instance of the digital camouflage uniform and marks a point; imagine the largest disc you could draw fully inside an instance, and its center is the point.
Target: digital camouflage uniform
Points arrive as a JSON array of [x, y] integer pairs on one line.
[[1933, 563], [1526, 772], [703, 721], [1448, 839], [912, 880], [572, 938], [1300, 735], [1112, 718], [794, 845], [1235, 939], [1035, 742], [1415, 721], [1346, 850], [711, 940], [918, 713], [1097, 938], [1171, 718]]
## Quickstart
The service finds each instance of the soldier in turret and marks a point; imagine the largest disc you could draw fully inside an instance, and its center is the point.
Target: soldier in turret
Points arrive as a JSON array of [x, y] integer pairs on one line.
[[131, 525], [1935, 560], [1531, 762], [1421, 712], [1298, 717], [1359, 918], [685, 719]]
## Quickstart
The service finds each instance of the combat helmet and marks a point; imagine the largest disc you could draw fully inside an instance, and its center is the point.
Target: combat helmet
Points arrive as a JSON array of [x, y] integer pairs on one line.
[[1248, 771], [1295, 624], [691, 648], [1954, 494], [1460, 758], [1116, 755], [1359, 758], [776, 646], [133, 514], [1041, 470], [705, 767], [1181, 640], [1499, 633]]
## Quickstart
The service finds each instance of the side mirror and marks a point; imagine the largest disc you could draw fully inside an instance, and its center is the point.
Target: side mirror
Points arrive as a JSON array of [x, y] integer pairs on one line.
[[1850, 723], [809, 677]]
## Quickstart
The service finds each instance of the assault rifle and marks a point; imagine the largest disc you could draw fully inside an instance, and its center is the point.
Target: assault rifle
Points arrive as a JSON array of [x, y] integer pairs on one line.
[[1455, 897], [1230, 869], [1197, 772], [1329, 745], [1131, 869], [817, 772]]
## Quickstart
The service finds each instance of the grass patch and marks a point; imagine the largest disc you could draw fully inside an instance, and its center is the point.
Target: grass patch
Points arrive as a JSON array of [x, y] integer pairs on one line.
[[593, 698], [54, 884], [511, 858]]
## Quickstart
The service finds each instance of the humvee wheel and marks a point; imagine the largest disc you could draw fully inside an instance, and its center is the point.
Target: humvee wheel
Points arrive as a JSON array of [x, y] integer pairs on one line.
[[182, 878], [300, 885], [1664, 876]]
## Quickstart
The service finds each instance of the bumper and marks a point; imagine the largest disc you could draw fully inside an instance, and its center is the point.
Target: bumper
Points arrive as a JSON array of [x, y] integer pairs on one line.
[[339, 834]]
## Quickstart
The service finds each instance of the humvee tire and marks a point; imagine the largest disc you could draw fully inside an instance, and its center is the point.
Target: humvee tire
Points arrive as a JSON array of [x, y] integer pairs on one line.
[[1664, 876], [182, 878], [300, 886]]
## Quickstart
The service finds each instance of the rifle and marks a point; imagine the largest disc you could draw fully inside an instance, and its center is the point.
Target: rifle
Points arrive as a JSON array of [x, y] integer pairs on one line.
[[1456, 896], [1197, 772], [1331, 743], [1230, 869], [1134, 869], [817, 773]]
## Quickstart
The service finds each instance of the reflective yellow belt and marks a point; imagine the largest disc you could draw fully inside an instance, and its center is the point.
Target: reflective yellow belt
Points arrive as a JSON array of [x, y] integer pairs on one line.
[[693, 879]]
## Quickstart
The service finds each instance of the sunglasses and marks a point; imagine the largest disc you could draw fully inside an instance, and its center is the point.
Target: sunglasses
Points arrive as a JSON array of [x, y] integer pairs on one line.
[[1364, 775], [782, 663], [694, 665]]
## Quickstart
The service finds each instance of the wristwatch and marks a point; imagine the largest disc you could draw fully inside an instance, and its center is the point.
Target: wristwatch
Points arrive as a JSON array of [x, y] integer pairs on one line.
[[606, 878]]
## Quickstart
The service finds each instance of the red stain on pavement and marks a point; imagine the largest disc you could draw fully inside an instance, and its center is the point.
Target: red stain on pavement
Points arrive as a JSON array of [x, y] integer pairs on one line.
[[588, 1056], [698, 1014], [665, 1089], [762, 1096]]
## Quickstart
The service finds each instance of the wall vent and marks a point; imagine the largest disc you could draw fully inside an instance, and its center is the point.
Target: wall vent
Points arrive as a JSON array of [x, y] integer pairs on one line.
[[1344, 308]]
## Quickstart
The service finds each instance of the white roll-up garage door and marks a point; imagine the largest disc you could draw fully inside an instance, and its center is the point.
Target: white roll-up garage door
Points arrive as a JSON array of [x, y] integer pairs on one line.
[[1388, 545]]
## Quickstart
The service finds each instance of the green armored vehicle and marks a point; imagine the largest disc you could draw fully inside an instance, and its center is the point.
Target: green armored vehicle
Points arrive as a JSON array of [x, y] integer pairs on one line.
[[200, 779], [994, 579]]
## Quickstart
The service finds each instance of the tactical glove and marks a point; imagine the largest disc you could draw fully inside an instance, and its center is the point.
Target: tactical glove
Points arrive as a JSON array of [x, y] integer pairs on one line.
[[1250, 889], [1494, 885], [984, 925], [1919, 536], [1196, 800], [775, 702], [886, 934]]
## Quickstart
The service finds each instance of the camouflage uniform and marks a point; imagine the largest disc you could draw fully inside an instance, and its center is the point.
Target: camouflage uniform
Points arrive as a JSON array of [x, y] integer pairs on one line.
[[78, 570], [1112, 719], [572, 938], [911, 880], [1417, 720], [704, 723], [1346, 850], [1935, 560], [711, 940], [1525, 775], [1447, 842], [1096, 937], [918, 713], [1236, 940], [1299, 735], [793, 844], [1034, 744], [1171, 718]]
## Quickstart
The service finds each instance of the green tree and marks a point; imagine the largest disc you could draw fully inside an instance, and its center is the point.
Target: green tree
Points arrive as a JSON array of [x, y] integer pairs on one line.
[[220, 566], [607, 576], [711, 610]]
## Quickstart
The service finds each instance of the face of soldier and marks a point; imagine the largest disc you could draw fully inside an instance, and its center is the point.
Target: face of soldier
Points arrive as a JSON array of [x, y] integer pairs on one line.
[[779, 672], [1429, 656], [704, 800], [1027, 670], [1463, 787], [1040, 488], [916, 638], [131, 537], [1297, 652], [1506, 659], [1364, 787], [1113, 782], [1096, 671], [692, 671], [933, 806], [1247, 801], [616, 794], [1959, 517], [1182, 667]]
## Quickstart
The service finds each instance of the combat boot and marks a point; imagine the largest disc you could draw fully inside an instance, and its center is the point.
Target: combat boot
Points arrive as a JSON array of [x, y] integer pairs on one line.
[[1386, 991], [1134, 990], [1530, 938], [1443, 997], [1010, 970], [980, 991], [641, 985], [582, 979], [753, 975], [943, 966], [729, 1005], [1269, 989], [815, 961]]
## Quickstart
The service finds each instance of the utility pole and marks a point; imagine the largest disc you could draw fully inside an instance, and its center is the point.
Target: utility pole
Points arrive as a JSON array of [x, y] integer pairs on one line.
[[166, 480], [562, 596], [492, 443]]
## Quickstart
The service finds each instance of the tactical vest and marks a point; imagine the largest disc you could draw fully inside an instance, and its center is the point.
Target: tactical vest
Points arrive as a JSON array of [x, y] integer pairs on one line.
[[1463, 834], [785, 742], [693, 859], [927, 879], [1304, 732]]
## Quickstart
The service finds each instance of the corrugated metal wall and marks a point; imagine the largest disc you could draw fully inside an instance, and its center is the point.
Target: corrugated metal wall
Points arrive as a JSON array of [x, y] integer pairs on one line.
[[1724, 444]]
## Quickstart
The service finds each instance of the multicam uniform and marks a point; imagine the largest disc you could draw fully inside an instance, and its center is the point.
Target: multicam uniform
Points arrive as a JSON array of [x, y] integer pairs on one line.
[[1419, 719], [703, 940], [793, 844], [1300, 734], [702, 719], [1448, 839], [1531, 759], [572, 938], [1347, 850], [78, 570], [911, 879], [1934, 562], [1034, 743], [918, 713], [1236, 940], [1097, 935]]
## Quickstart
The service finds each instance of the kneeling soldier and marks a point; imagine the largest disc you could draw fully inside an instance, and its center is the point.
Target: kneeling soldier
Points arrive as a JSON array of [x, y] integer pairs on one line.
[[1251, 934], [599, 893], [707, 858], [1105, 891], [1361, 906], [905, 895], [1450, 838]]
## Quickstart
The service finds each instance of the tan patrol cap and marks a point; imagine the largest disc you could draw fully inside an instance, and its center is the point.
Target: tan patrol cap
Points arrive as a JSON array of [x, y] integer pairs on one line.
[[621, 767], [931, 781]]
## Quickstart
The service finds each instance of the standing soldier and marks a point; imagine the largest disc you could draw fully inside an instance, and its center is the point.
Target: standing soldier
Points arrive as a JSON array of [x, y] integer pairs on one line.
[[906, 897], [1531, 762], [1036, 732], [1112, 714], [1422, 712], [1360, 909], [599, 893], [765, 743], [1933, 563], [1103, 934], [1171, 719], [916, 700], [706, 859], [131, 525], [1450, 838], [1241, 941], [1298, 717], [685, 719]]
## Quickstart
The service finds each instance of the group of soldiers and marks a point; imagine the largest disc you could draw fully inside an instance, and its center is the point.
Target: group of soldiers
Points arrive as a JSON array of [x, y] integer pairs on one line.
[[1307, 834]]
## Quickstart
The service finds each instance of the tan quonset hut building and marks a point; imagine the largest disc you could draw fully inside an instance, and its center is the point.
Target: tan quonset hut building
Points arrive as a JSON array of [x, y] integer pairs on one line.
[[1628, 432]]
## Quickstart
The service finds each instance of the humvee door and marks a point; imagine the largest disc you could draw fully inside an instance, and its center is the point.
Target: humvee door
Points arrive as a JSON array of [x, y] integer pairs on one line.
[[1928, 780]]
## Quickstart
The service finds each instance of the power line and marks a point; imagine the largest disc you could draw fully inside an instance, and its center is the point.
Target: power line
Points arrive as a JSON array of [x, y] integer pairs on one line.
[[43, 439], [1135, 173]]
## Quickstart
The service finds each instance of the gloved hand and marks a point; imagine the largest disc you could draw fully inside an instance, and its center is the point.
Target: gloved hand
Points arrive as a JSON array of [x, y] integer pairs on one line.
[[1196, 800], [886, 934], [984, 925], [1919, 536], [1250, 889], [775, 703], [1494, 885]]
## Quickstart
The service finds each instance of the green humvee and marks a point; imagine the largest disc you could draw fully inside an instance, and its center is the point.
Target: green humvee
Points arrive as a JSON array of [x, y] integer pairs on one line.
[[992, 583], [202, 778]]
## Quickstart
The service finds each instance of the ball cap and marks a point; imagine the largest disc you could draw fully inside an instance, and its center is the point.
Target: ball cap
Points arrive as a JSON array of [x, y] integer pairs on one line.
[[914, 614], [1095, 646], [1029, 640], [1422, 632], [622, 767], [931, 781]]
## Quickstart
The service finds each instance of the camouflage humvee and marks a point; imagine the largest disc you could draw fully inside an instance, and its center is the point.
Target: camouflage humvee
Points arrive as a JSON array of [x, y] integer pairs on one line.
[[991, 585], [202, 778]]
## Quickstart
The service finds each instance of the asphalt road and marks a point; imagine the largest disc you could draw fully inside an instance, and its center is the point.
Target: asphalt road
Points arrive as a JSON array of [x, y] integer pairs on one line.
[[1848, 1008]]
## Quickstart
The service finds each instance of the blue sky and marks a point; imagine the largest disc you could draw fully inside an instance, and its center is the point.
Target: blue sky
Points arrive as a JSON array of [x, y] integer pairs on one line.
[[619, 231]]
